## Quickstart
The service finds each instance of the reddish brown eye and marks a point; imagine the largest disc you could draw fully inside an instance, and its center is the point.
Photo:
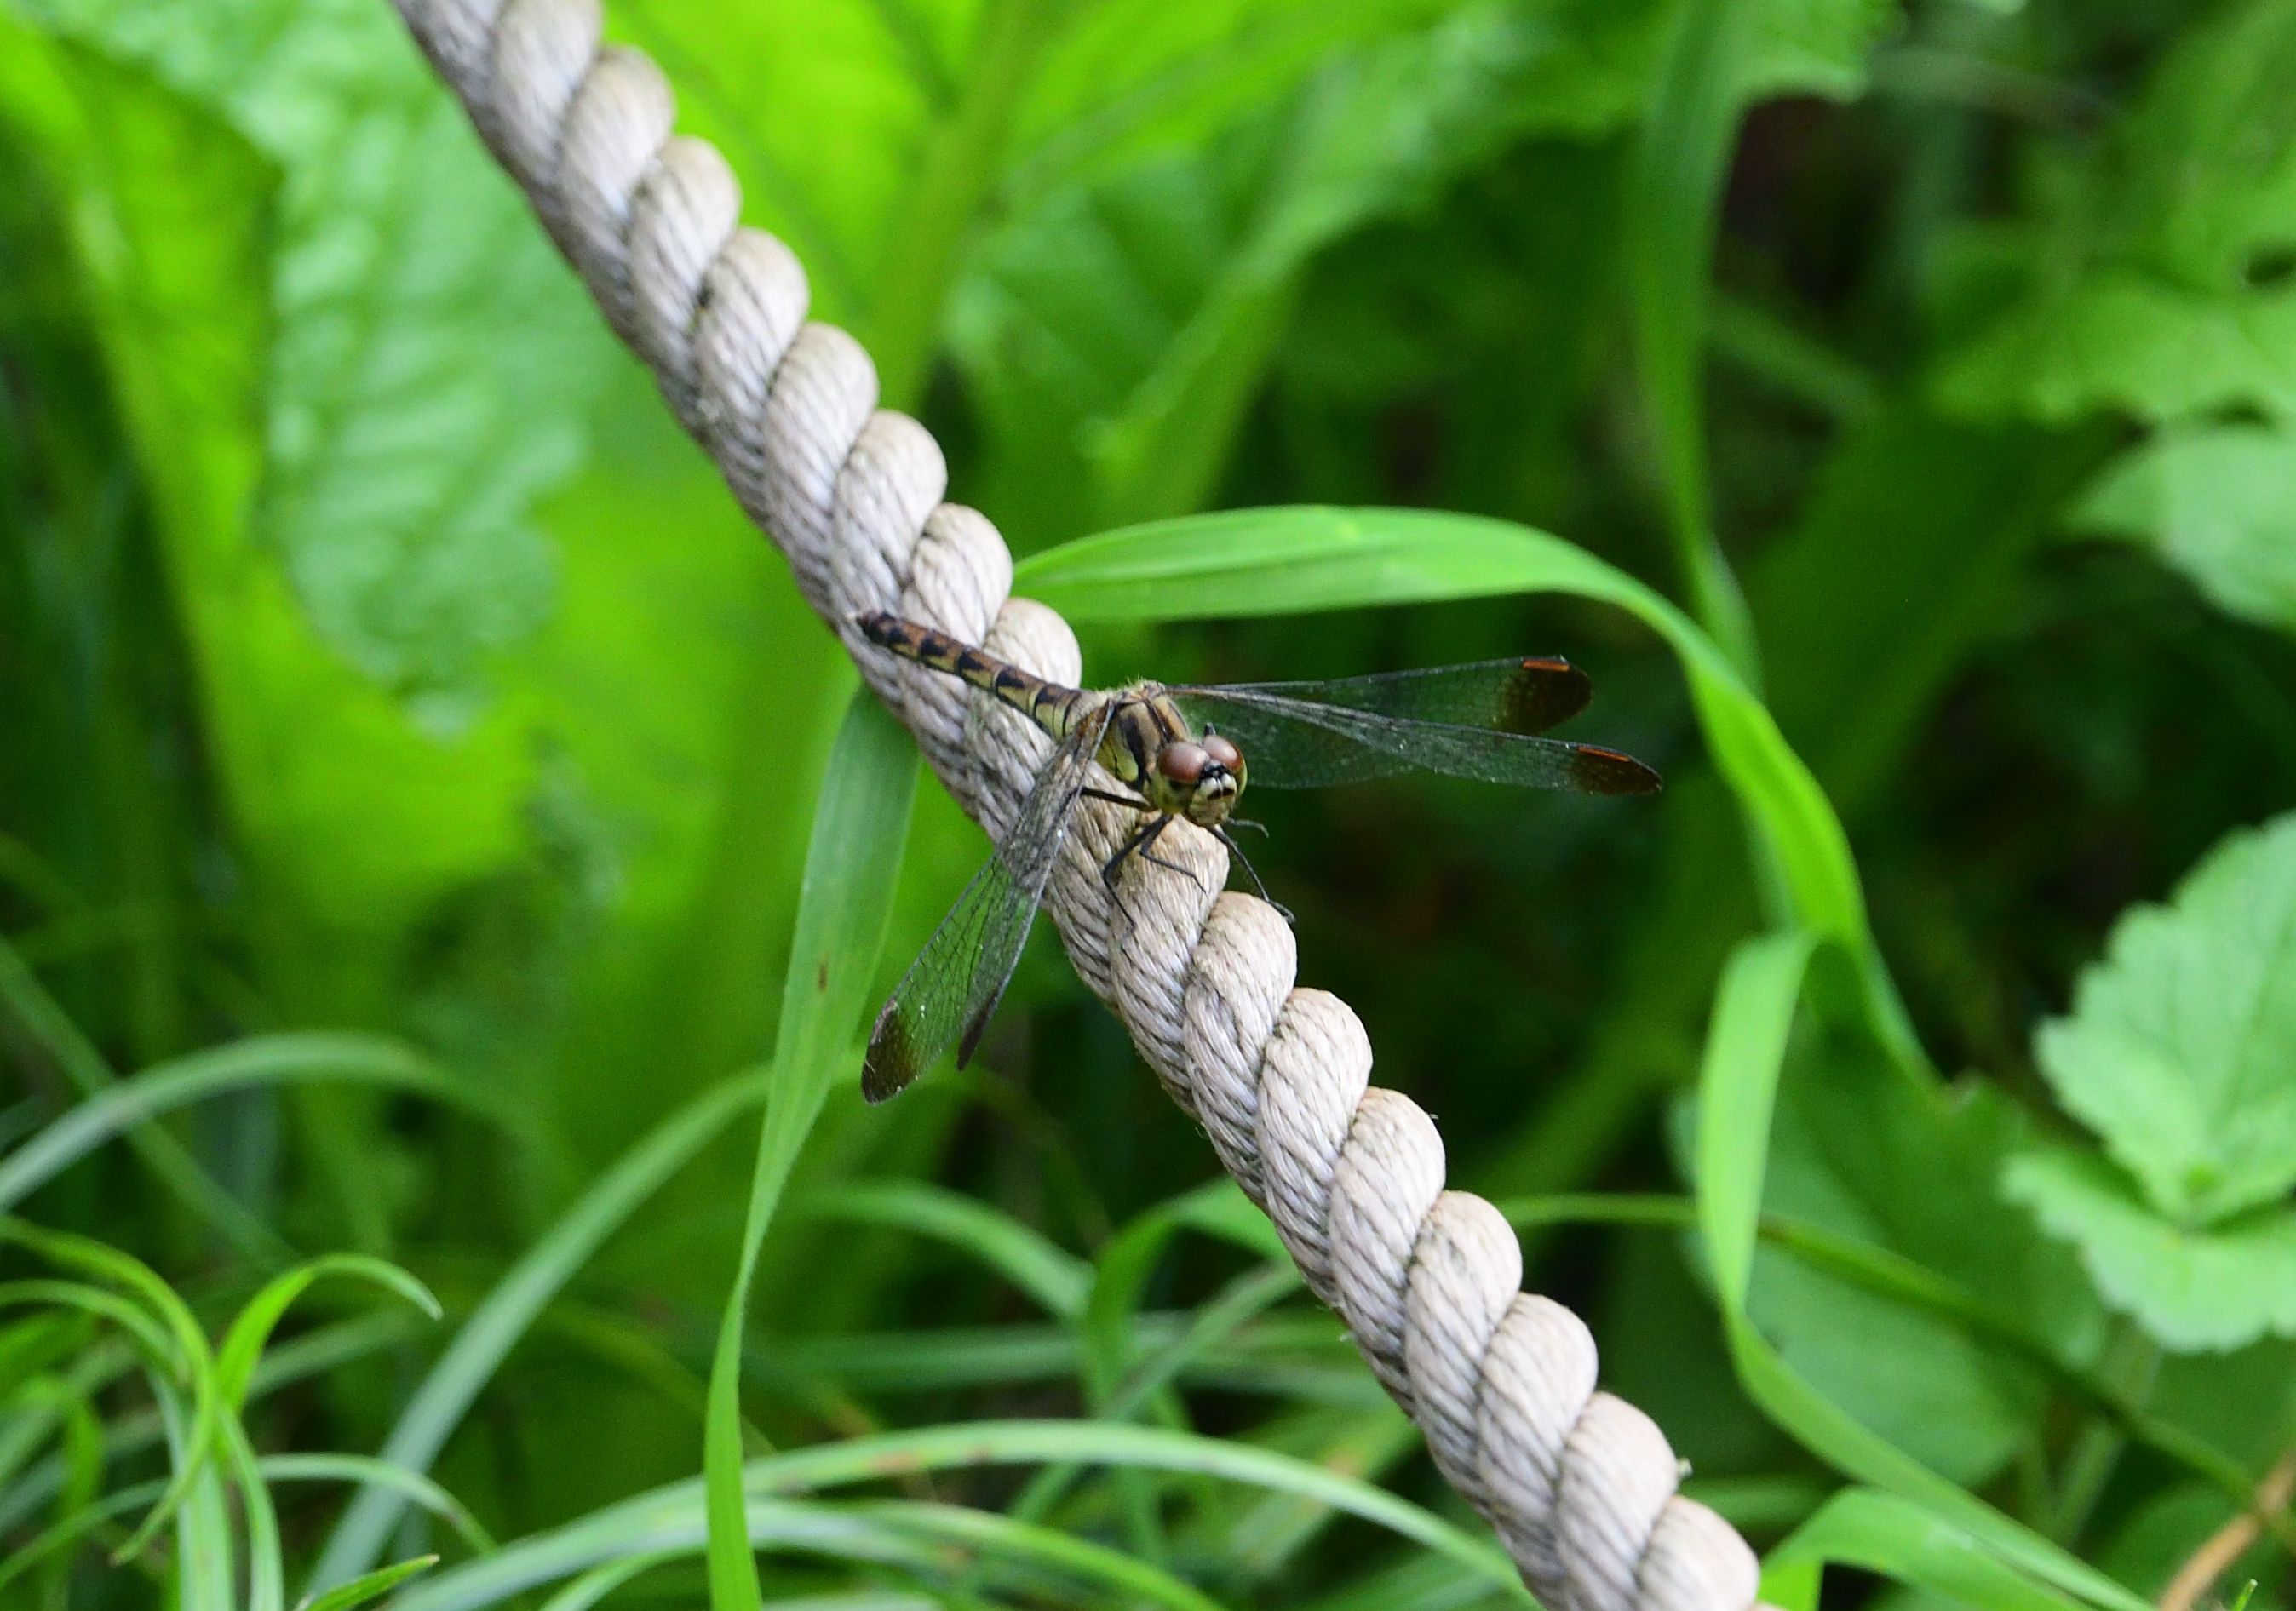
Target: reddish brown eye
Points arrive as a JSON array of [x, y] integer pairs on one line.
[[1182, 762], [1223, 753]]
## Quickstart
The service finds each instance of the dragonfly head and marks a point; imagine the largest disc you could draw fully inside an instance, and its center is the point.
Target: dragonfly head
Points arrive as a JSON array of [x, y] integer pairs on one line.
[[1198, 779]]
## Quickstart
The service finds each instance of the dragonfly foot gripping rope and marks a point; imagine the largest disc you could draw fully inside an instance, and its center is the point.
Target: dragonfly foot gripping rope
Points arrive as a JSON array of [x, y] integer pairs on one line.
[[1579, 1485]]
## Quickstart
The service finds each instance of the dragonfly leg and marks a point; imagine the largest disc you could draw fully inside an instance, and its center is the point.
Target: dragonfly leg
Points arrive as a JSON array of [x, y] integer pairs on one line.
[[1258, 828], [1134, 801], [1143, 844], [1252, 873]]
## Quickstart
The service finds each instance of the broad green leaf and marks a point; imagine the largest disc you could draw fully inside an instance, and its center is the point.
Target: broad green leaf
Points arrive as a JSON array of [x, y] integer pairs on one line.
[[683, 692], [1816, 46], [340, 800], [944, 109], [2180, 1041], [1913, 1169], [430, 362], [2219, 1286], [1116, 327], [1754, 1014], [2122, 340], [2216, 503], [2144, 293], [1115, 331]]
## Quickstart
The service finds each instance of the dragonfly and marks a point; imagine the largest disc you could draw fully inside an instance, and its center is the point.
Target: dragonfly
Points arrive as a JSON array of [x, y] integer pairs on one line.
[[1186, 753]]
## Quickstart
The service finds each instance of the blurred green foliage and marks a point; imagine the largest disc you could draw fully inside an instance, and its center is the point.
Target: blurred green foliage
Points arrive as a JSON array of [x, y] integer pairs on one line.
[[409, 758]]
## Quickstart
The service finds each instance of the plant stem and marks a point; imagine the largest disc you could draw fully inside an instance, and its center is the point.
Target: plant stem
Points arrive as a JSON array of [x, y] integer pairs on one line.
[[2226, 1545], [2131, 1361]]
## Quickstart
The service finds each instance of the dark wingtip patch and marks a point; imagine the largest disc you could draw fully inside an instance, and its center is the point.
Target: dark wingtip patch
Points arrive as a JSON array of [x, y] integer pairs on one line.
[[1603, 771], [891, 1063], [974, 1031], [1546, 690]]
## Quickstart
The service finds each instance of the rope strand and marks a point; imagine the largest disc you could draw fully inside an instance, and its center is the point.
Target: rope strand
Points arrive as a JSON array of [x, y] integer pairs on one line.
[[1579, 1485]]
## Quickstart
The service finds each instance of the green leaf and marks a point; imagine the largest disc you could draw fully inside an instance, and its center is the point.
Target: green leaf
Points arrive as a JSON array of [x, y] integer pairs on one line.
[[1816, 47], [452, 1383], [1753, 1021], [371, 1586], [251, 1332], [2215, 502], [1284, 561], [430, 362], [861, 819], [2119, 340], [2219, 1286], [1877, 1531], [1914, 1170], [188, 1362], [1116, 331], [2178, 1047], [1024, 1257], [346, 808], [2143, 292]]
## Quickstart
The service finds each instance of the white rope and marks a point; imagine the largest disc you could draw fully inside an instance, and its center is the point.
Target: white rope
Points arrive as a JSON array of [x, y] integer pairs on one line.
[[1579, 1485]]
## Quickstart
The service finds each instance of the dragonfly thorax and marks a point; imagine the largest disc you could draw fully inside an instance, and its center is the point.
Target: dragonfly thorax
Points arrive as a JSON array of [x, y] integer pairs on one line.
[[1151, 746]]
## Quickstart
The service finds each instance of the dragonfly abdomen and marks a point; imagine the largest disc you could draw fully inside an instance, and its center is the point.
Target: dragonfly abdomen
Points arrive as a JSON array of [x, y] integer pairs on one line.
[[1049, 705]]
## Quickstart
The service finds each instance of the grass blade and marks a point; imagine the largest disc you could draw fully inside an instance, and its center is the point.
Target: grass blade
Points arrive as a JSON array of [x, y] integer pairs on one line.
[[259, 1060], [1048, 1272], [1673, 200], [1745, 1052], [861, 819], [1882, 1533], [1290, 561], [371, 1586], [48, 1024], [244, 1343], [447, 1393], [668, 1517]]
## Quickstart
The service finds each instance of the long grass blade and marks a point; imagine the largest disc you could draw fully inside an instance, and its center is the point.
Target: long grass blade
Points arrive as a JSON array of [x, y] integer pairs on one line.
[[494, 1329], [1745, 1052], [259, 1060], [861, 819]]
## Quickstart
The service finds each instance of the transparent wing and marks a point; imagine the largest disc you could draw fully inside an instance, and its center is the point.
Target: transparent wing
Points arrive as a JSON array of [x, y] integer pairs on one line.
[[1294, 742], [951, 989], [1518, 694]]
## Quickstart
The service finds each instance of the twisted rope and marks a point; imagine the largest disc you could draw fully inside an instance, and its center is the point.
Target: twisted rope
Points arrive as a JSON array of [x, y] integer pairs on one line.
[[1579, 1485]]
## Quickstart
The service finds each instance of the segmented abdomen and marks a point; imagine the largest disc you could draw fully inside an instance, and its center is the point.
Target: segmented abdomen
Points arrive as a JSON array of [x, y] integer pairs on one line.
[[1050, 705]]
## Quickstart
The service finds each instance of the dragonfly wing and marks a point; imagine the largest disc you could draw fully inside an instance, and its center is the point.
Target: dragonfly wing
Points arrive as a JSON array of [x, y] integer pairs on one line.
[[1295, 743], [1518, 694], [1289, 743], [953, 988]]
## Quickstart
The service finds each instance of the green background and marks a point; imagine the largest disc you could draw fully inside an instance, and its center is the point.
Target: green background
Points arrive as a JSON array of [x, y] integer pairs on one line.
[[410, 760]]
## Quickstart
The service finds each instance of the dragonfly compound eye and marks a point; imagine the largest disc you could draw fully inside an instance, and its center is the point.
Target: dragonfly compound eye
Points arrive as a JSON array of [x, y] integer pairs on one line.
[[1223, 754], [1183, 762]]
